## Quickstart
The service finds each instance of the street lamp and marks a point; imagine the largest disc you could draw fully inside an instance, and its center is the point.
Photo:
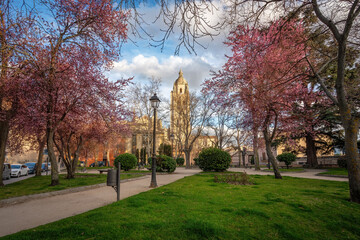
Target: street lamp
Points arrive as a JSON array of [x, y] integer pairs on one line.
[[172, 141], [155, 102]]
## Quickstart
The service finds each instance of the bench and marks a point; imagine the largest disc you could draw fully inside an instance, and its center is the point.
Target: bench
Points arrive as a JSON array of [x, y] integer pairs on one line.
[[103, 170]]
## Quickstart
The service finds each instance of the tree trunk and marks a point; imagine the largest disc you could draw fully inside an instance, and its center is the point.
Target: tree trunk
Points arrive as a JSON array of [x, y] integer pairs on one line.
[[40, 157], [352, 158], [86, 158], [4, 133], [311, 151], [187, 159], [70, 172], [108, 157], [256, 152], [239, 155], [271, 156], [52, 157]]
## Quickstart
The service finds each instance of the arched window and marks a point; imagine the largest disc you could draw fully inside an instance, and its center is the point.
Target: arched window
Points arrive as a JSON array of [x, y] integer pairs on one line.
[[180, 90]]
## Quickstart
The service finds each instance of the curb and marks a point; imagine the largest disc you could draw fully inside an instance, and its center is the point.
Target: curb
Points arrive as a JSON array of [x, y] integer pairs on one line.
[[22, 199]]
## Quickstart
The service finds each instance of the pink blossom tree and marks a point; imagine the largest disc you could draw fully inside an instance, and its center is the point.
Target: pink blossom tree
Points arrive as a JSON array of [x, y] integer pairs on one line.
[[74, 46], [265, 73]]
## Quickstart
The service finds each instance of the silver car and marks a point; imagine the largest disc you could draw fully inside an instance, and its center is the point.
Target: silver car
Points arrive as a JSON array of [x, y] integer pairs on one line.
[[18, 170]]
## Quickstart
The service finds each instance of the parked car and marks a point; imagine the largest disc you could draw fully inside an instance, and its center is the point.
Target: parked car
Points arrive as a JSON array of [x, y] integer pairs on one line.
[[81, 164], [18, 170], [31, 166], [44, 168], [6, 171], [99, 164]]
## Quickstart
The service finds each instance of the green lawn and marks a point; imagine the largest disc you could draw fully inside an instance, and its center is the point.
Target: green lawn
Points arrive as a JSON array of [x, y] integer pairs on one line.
[[40, 184], [198, 208], [336, 171], [285, 170]]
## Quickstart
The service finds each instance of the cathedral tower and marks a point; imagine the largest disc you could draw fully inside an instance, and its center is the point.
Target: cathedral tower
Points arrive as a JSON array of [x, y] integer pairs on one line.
[[179, 107]]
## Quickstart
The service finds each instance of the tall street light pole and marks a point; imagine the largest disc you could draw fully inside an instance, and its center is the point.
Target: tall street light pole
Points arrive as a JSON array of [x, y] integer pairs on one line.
[[155, 102]]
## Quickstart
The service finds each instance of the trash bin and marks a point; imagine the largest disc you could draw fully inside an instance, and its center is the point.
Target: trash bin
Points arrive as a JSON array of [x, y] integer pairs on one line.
[[111, 177]]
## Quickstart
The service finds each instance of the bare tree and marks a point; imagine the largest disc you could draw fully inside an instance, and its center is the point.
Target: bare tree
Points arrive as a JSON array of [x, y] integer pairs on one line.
[[139, 103], [192, 119], [220, 125], [241, 136]]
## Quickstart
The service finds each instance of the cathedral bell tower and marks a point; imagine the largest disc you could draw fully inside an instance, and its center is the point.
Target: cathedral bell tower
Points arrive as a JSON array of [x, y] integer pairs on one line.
[[179, 107]]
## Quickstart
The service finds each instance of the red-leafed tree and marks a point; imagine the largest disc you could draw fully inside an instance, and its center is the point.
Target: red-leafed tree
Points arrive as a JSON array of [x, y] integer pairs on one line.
[[15, 23], [75, 43], [265, 73]]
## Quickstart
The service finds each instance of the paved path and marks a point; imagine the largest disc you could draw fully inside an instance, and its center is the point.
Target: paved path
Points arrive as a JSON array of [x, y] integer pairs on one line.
[[15, 218], [308, 173], [33, 213]]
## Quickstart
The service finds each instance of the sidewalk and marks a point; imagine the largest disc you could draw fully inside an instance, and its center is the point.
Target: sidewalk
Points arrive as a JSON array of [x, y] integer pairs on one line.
[[308, 173], [15, 218]]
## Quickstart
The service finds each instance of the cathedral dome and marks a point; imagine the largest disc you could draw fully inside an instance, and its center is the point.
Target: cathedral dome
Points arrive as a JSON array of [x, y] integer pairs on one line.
[[181, 80]]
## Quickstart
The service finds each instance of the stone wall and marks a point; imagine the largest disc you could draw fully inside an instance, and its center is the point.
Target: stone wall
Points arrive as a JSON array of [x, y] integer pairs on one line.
[[323, 161]]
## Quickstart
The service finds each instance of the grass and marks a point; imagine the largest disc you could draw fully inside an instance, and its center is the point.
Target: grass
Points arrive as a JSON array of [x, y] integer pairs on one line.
[[198, 208], [336, 171], [40, 184], [285, 170]]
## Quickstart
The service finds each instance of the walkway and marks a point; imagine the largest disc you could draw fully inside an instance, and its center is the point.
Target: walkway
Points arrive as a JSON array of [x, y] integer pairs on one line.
[[308, 173]]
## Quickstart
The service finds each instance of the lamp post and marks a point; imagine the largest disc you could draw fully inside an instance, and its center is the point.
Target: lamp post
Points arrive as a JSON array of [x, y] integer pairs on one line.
[[172, 143], [155, 102]]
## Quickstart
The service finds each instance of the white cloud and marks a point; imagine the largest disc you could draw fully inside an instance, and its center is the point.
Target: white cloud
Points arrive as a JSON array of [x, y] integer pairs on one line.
[[195, 69]]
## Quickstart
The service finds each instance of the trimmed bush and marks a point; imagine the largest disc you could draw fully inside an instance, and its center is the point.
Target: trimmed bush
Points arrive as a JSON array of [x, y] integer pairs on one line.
[[164, 163], [168, 164], [180, 161], [342, 162], [287, 158], [196, 161], [127, 161], [214, 159]]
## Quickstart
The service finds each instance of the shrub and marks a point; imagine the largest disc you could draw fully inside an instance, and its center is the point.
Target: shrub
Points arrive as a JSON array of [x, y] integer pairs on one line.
[[180, 161], [214, 159], [196, 161], [127, 161], [287, 158], [342, 162], [158, 164], [167, 164], [164, 163]]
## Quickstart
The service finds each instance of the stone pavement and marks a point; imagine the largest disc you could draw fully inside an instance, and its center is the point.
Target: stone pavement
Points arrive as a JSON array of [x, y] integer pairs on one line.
[[308, 173], [36, 212]]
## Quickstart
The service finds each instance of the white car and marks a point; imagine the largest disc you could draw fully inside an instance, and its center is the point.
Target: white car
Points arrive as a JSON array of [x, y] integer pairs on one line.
[[18, 170]]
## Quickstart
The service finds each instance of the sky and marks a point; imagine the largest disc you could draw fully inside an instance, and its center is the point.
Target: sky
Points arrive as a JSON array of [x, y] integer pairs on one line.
[[142, 61]]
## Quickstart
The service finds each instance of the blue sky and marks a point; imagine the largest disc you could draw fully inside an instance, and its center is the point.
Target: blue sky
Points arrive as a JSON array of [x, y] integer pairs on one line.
[[143, 61]]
